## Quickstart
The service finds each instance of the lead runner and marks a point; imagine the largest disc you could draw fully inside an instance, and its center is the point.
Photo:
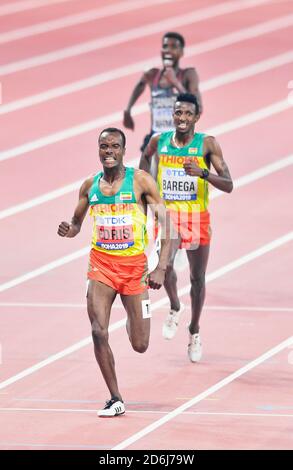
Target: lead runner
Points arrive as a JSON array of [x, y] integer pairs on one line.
[[118, 198]]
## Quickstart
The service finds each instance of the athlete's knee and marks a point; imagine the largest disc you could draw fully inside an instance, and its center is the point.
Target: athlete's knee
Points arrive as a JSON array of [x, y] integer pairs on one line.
[[140, 345], [197, 281], [100, 335]]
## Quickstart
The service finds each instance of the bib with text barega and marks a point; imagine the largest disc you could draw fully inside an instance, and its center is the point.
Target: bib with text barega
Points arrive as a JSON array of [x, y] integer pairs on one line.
[[174, 184]]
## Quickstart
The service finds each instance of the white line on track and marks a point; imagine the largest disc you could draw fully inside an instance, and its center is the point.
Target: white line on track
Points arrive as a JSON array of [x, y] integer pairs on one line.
[[41, 446], [41, 199], [248, 71], [50, 196], [206, 307], [210, 277], [152, 28], [18, 7], [95, 80], [257, 174], [188, 413], [198, 398], [80, 129], [79, 18], [247, 179], [248, 309], [69, 133], [41, 305], [46, 268]]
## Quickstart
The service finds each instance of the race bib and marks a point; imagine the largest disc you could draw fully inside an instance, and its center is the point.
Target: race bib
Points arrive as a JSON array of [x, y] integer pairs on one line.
[[177, 185], [115, 232], [162, 114]]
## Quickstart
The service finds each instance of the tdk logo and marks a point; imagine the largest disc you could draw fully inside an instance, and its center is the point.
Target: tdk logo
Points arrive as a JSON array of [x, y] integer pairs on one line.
[[112, 220], [175, 172]]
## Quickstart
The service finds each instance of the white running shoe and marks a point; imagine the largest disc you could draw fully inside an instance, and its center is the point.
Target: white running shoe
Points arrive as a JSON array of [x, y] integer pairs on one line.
[[181, 261], [113, 407], [171, 323], [194, 347]]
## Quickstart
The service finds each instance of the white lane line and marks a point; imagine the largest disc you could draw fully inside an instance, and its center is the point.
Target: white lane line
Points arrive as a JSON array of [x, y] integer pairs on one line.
[[41, 305], [249, 309], [198, 398], [80, 129], [28, 445], [17, 7], [69, 133], [210, 277], [255, 116], [44, 269], [118, 306], [78, 18], [255, 175], [152, 28], [188, 413], [246, 259], [95, 80], [246, 72], [41, 199], [50, 196], [48, 305], [247, 179]]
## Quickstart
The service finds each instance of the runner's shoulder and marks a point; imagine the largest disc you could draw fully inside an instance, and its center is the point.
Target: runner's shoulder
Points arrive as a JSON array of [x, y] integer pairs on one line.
[[87, 184], [190, 73], [210, 144], [142, 178], [150, 74]]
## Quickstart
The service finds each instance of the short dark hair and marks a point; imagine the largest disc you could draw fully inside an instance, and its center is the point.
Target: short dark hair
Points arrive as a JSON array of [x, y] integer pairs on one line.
[[188, 98], [115, 129], [177, 36]]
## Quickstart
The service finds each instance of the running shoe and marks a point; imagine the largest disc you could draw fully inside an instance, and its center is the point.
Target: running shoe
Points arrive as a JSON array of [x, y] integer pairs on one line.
[[171, 323], [113, 407], [194, 347]]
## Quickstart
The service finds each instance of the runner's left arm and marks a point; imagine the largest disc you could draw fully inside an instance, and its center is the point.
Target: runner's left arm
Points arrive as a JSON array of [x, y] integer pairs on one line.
[[222, 180], [157, 206], [190, 83], [148, 153]]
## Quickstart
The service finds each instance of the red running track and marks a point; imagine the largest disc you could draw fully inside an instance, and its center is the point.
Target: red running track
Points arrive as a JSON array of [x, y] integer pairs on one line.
[[249, 304]]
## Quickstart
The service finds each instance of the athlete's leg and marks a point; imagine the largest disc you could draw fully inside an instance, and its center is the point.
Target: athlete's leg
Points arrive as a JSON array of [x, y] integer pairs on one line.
[[138, 320], [170, 283], [100, 298], [198, 260]]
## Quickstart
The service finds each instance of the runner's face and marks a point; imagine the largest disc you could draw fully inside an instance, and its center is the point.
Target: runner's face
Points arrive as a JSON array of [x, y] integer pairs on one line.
[[184, 116], [172, 50], [111, 150]]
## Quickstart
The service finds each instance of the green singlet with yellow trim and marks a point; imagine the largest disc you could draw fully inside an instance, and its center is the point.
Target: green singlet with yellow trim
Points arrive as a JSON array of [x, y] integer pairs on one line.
[[119, 224], [180, 191]]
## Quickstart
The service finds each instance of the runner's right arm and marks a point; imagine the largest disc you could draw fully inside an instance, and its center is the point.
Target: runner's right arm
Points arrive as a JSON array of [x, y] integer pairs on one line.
[[147, 154], [71, 230], [139, 88]]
